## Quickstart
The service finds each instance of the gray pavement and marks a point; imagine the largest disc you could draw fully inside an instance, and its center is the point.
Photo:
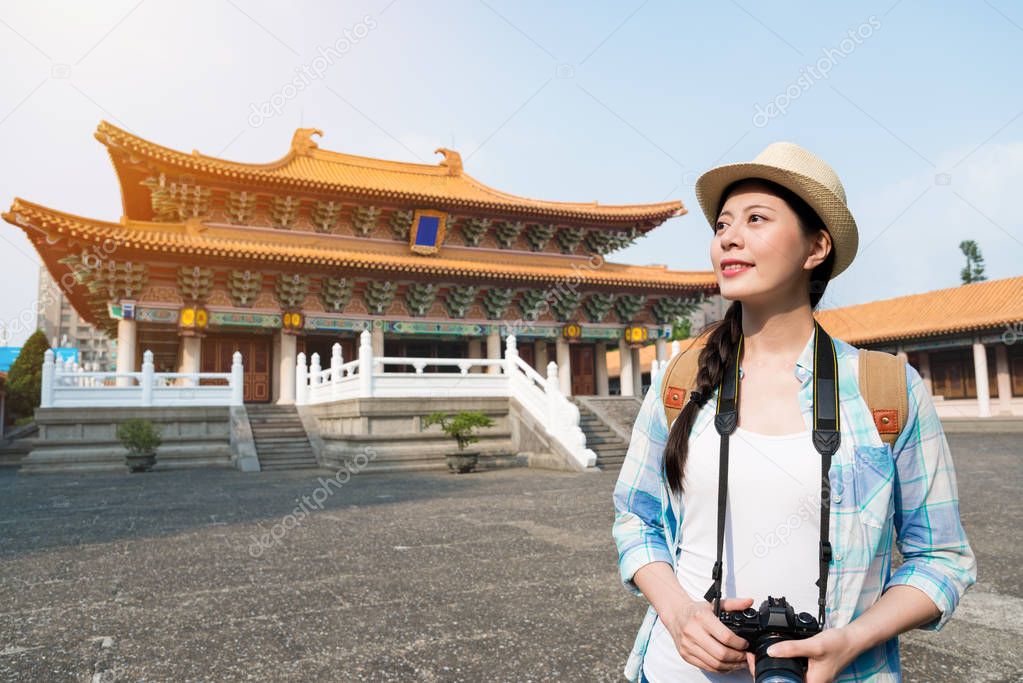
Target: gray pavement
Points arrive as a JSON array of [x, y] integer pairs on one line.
[[506, 575]]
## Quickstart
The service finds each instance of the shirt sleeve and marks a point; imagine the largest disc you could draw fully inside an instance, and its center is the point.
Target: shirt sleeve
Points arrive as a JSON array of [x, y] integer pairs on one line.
[[638, 528], [937, 556]]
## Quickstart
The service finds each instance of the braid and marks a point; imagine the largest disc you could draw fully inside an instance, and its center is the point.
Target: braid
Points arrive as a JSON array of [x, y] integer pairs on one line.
[[721, 345]]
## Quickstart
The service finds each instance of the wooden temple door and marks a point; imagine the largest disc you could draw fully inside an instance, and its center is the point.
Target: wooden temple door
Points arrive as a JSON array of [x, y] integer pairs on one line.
[[526, 354], [582, 361], [216, 357]]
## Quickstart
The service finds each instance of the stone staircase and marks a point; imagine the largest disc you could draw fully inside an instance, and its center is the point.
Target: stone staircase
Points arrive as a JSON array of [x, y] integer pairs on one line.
[[281, 440], [601, 439]]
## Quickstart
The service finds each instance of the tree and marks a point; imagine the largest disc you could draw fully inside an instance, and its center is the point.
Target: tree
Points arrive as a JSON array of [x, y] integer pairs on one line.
[[25, 379], [974, 270], [460, 426]]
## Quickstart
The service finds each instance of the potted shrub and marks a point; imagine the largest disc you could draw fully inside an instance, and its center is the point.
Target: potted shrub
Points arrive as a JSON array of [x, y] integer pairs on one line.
[[460, 427], [141, 438]]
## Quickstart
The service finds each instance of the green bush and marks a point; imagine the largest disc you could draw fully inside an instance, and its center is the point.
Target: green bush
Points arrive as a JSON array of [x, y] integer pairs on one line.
[[459, 426], [140, 437], [25, 378]]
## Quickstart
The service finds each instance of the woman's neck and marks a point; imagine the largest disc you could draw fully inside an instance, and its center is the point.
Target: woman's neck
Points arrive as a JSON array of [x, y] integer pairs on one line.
[[775, 339]]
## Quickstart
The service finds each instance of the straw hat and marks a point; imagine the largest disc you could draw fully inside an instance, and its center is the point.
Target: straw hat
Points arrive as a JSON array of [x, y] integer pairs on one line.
[[804, 173]]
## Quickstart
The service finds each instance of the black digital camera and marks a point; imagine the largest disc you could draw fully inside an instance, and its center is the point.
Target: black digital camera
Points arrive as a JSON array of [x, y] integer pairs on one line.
[[775, 621]]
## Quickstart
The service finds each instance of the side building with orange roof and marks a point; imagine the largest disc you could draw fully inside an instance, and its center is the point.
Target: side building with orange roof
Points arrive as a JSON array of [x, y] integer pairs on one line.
[[966, 342], [212, 256]]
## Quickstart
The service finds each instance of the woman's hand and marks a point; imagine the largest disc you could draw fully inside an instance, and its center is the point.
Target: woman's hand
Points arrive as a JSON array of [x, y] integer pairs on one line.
[[704, 641], [827, 653]]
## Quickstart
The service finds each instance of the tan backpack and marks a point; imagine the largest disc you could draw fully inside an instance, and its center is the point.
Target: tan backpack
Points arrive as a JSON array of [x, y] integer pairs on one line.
[[882, 379]]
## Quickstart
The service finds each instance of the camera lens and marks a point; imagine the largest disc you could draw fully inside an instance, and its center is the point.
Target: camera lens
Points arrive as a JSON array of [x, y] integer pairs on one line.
[[749, 612], [777, 669], [805, 617]]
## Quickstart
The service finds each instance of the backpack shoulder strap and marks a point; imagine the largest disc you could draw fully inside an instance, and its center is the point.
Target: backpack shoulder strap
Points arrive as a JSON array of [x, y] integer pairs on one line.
[[883, 385], [680, 379]]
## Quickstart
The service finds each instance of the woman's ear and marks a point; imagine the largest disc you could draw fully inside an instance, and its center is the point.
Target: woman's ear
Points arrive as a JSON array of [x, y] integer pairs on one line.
[[821, 246]]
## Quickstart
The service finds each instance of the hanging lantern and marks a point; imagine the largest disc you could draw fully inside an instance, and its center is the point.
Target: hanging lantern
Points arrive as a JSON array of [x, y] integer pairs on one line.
[[193, 318], [636, 334], [293, 320]]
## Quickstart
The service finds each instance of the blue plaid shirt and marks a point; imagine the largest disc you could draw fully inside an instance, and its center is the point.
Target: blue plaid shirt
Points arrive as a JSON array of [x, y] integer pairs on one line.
[[875, 495]]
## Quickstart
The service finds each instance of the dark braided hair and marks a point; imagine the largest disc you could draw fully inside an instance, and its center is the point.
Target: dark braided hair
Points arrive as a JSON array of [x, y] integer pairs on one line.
[[724, 335]]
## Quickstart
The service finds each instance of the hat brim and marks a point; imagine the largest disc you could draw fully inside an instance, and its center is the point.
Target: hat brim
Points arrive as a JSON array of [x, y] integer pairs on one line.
[[833, 211]]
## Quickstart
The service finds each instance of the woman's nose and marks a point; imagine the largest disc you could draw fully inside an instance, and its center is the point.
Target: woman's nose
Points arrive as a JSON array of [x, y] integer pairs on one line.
[[727, 236]]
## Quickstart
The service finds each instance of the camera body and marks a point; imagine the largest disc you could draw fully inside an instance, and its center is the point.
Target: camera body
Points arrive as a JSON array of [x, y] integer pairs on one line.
[[775, 621]]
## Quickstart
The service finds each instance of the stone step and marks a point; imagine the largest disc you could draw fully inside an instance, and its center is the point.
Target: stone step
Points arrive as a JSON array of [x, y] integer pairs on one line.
[[296, 454], [605, 445], [270, 450], [278, 437], [270, 467], [603, 437], [302, 456]]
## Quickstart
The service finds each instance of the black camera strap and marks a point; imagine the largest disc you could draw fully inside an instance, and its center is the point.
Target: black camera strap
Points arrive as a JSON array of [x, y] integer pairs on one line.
[[826, 437]]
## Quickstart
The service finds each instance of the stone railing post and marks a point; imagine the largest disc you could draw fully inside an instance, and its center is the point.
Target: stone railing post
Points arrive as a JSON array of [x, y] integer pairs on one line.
[[237, 380], [553, 390], [511, 352], [46, 394], [314, 370], [336, 361], [301, 380], [147, 378], [365, 364]]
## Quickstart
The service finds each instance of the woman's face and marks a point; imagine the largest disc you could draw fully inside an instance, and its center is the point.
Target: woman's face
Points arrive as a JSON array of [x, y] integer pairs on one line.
[[758, 230]]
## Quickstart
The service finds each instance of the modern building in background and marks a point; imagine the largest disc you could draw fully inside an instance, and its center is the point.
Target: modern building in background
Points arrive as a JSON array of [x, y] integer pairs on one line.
[[213, 256], [65, 328]]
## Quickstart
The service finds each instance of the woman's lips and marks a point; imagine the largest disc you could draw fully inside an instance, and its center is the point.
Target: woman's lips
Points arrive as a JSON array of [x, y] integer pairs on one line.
[[733, 271]]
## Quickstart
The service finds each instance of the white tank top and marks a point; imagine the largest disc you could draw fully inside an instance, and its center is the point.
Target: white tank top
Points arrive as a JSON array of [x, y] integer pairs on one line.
[[772, 533]]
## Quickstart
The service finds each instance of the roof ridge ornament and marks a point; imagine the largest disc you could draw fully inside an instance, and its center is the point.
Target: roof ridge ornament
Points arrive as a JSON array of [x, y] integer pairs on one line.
[[452, 159], [302, 142]]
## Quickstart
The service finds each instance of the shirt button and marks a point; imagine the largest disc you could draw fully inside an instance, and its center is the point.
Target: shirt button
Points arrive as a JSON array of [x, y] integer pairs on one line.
[[838, 498], [838, 556]]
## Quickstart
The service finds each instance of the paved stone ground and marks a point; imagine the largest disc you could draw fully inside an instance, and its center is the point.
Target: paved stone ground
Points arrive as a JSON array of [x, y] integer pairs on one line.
[[498, 576]]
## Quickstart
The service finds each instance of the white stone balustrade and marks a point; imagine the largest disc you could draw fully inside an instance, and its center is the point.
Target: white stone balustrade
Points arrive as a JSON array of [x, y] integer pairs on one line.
[[368, 377], [66, 385]]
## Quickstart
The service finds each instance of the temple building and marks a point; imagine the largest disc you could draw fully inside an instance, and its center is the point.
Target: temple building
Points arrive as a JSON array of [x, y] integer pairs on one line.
[[213, 256]]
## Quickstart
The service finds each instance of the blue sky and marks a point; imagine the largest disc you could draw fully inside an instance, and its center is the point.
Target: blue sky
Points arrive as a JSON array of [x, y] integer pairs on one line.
[[920, 111]]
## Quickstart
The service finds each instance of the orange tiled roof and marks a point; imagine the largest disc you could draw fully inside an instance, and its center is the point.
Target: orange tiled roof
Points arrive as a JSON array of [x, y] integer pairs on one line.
[[282, 246], [978, 306], [445, 185]]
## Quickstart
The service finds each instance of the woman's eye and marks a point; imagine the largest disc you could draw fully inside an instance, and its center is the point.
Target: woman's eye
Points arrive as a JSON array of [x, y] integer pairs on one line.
[[718, 226], [755, 215]]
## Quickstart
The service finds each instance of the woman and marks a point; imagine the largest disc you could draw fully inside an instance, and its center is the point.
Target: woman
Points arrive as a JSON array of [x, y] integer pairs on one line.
[[781, 231]]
